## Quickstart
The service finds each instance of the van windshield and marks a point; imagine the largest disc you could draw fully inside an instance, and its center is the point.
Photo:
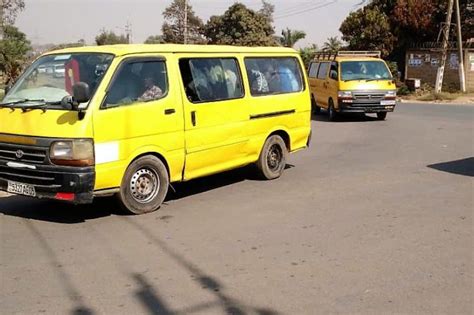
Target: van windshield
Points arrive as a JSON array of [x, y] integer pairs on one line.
[[50, 78], [364, 70]]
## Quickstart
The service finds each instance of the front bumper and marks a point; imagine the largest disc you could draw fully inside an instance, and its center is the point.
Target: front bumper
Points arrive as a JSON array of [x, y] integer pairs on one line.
[[366, 106], [49, 180]]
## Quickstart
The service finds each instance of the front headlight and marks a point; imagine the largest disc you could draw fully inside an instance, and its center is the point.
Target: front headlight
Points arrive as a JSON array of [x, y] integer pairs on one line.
[[78, 152], [392, 93], [344, 94]]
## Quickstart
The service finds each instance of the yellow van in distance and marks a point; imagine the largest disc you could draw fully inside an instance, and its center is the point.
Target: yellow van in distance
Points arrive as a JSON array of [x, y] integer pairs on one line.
[[351, 82], [130, 119]]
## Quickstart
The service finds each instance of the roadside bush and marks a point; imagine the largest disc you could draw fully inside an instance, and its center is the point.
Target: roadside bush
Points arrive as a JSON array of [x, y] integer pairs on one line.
[[403, 90]]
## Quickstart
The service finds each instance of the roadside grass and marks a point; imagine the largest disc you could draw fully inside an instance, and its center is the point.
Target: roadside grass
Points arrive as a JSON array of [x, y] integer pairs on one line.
[[2, 93], [443, 96]]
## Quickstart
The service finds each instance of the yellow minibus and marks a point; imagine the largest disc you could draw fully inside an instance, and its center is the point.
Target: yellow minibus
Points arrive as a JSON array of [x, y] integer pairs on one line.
[[351, 82], [128, 120]]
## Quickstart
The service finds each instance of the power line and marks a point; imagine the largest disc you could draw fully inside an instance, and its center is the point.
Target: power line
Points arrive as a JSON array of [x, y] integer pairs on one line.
[[309, 9]]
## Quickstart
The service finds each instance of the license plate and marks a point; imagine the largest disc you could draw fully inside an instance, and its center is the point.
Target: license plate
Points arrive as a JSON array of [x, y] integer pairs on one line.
[[387, 102], [21, 189]]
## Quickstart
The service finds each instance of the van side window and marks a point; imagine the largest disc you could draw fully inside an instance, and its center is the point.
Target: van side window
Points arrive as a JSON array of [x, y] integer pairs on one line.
[[274, 75], [313, 70], [333, 71], [211, 79], [138, 81], [323, 70]]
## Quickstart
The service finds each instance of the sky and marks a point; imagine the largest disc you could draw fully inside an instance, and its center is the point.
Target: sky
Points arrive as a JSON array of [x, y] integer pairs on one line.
[[65, 21]]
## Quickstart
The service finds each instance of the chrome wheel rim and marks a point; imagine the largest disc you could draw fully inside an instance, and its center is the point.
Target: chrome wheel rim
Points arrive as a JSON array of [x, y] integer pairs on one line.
[[144, 185], [274, 157]]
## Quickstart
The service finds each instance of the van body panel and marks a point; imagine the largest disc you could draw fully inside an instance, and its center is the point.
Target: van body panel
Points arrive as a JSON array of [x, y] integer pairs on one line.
[[49, 123], [138, 126]]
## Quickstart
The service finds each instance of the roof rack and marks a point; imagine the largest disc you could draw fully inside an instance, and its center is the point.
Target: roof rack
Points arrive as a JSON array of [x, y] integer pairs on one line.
[[324, 55]]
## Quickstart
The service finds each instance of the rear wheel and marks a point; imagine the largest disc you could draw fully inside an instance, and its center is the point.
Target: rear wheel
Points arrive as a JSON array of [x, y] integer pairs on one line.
[[144, 185], [381, 115], [272, 160], [331, 111]]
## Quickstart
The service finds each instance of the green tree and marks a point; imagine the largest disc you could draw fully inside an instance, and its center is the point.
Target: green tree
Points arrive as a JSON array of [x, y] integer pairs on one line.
[[290, 37], [368, 29], [173, 28], [154, 39], [110, 38], [241, 26], [9, 10], [332, 44], [14, 48], [308, 53]]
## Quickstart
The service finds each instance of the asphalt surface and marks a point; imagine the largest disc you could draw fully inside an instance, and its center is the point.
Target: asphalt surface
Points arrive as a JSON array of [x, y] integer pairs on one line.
[[376, 217]]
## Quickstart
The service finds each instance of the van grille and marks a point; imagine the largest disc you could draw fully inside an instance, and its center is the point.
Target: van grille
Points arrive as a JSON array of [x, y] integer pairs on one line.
[[20, 153], [369, 96], [41, 179]]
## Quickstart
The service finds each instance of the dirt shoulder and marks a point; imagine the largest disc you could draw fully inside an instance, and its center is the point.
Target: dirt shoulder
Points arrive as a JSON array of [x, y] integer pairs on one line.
[[467, 99]]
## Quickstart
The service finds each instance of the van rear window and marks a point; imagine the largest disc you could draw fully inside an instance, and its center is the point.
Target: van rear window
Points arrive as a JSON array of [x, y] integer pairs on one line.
[[274, 75]]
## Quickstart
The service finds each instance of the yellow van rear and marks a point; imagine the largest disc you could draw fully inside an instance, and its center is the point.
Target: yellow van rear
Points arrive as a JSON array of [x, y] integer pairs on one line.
[[130, 119], [351, 82]]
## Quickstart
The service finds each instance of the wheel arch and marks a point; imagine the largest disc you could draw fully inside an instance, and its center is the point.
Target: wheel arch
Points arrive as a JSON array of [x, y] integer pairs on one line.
[[152, 152], [284, 135]]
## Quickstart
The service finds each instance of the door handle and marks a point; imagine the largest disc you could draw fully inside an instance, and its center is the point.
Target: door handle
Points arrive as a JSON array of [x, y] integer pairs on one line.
[[170, 111], [193, 117]]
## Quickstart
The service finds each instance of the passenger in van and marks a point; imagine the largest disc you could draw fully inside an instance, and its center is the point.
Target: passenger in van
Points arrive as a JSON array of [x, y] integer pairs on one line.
[[288, 80], [152, 91], [272, 78], [231, 81]]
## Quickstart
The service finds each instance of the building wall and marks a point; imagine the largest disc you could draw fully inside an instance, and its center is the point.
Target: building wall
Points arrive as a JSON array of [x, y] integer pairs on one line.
[[423, 64]]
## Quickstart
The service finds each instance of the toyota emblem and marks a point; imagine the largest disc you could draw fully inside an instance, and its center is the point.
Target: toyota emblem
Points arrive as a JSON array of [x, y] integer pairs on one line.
[[19, 154]]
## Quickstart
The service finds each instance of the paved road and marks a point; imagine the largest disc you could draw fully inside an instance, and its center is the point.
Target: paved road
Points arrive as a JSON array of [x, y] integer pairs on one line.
[[376, 217]]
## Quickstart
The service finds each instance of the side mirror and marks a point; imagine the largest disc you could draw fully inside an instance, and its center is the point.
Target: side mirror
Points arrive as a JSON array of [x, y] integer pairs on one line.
[[333, 75], [81, 92]]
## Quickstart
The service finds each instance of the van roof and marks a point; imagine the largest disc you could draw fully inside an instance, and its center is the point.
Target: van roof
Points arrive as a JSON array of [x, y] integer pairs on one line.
[[126, 49]]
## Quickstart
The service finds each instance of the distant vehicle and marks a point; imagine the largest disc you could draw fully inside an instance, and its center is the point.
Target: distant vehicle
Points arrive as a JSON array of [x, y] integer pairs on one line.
[[59, 71], [42, 69], [351, 82]]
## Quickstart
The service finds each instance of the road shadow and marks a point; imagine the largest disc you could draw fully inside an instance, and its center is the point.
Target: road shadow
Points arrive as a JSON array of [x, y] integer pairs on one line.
[[341, 118], [204, 184], [56, 211], [62, 212], [148, 294], [463, 167]]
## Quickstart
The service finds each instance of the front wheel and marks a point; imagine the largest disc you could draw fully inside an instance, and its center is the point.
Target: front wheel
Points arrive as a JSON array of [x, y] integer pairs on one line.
[[314, 106], [332, 111], [144, 185], [272, 160], [381, 115]]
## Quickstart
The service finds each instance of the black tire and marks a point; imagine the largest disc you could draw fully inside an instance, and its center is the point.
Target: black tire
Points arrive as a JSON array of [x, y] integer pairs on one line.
[[314, 106], [332, 111], [381, 115], [272, 159], [144, 185]]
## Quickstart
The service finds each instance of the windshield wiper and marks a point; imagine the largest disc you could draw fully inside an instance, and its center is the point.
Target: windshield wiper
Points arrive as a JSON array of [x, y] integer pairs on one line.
[[355, 79], [43, 104], [23, 100]]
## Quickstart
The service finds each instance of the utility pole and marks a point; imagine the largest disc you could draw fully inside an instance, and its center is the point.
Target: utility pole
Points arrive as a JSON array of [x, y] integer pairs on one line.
[[462, 81], [128, 32], [440, 74], [185, 21]]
